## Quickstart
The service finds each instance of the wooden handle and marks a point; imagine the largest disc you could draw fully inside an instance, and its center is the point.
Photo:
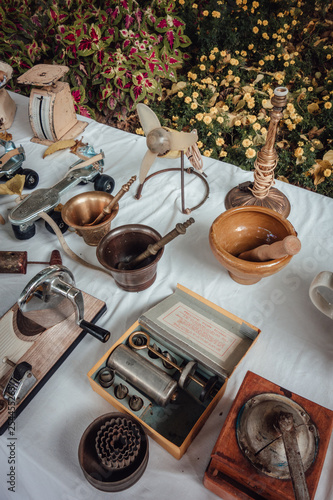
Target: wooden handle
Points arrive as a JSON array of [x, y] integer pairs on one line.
[[290, 245]]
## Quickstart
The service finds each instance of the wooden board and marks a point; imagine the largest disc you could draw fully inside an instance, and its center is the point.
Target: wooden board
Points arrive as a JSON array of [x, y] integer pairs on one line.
[[231, 476], [47, 350]]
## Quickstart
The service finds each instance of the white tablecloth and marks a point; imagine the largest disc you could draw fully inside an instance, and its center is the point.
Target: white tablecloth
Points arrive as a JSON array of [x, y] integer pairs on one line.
[[294, 350]]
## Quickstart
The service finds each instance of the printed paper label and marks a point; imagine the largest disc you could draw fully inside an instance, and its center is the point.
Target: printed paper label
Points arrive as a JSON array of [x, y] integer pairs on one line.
[[207, 334]]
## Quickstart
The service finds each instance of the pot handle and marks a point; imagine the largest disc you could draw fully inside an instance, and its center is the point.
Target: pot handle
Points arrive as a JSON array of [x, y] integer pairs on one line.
[[94, 330]]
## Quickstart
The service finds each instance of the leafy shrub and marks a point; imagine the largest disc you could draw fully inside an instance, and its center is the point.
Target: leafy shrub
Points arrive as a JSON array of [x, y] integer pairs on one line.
[[121, 52], [117, 51]]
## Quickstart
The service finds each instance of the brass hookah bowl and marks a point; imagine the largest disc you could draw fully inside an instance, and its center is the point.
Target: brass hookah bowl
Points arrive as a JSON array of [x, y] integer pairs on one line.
[[260, 192]]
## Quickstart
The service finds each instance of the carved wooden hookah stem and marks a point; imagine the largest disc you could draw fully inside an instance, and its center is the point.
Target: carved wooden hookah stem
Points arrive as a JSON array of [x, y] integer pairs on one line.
[[267, 157]]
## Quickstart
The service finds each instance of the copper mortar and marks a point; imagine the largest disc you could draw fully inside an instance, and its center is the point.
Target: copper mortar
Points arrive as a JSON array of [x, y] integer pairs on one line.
[[83, 209], [123, 244]]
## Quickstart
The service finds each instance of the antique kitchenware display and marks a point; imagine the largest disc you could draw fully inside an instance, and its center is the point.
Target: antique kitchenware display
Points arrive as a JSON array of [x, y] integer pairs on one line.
[[272, 445], [37, 334], [170, 368], [113, 452], [51, 106], [7, 105], [15, 262], [321, 292], [260, 192], [166, 143], [30, 209], [11, 164], [132, 252], [237, 238], [91, 213]]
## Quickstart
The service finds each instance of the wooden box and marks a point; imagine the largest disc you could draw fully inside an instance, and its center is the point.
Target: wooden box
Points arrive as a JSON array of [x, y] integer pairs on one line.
[[189, 328], [232, 476]]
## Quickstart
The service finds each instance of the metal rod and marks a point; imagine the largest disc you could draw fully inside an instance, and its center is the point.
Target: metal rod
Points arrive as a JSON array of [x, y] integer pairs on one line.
[[152, 249]]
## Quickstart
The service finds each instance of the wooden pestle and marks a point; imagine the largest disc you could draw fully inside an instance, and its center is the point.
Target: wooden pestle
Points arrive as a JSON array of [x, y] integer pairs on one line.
[[152, 249], [290, 245], [108, 209]]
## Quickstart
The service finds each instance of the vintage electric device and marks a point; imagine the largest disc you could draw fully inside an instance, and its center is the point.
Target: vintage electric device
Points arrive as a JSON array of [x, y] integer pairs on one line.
[[271, 446], [7, 105], [51, 108], [11, 164], [37, 334], [166, 143], [29, 210], [171, 367]]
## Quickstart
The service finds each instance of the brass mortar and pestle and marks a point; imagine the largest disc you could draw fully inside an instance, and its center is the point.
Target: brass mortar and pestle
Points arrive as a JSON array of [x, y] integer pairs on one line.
[[91, 213], [253, 242], [132, 252]]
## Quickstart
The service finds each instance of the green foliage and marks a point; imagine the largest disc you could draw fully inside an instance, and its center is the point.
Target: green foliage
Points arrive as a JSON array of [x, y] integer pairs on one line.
[[121, 52], [117, 51]]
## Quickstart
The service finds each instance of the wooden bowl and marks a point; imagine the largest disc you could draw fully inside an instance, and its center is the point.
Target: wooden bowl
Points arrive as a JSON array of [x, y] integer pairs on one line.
[[244, 228]]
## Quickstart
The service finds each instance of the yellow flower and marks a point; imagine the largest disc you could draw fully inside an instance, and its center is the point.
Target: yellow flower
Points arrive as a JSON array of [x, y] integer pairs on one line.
[[298, 152], [220, 119], [251, 46], [255, 5], [265, 22], [261, 62], [256, 126], [250, 153], [203, 58], [180, 94], [139, 131], [194, 105], [181, 2], [327, 172], [255, 29], [202, 67], [199, 117], [212, 57], [243, 53], [328, 56], [216, 14], [225, 107], [206, 153], [252, 118], [205, 13], [223, 53], [237, 123], [265, 35], [195, 95], [327, 105], [207, 120], [194, 76], [194, 6], [234, 62], [175, 118], [237, 79], [199, 144], [219, 141], [246, 143]]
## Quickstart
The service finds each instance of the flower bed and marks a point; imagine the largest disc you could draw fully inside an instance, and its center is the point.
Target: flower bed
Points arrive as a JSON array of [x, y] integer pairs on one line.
[[237, 51]]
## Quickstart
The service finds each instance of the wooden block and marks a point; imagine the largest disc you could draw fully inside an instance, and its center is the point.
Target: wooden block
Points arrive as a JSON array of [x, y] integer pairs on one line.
[[47, 350]]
